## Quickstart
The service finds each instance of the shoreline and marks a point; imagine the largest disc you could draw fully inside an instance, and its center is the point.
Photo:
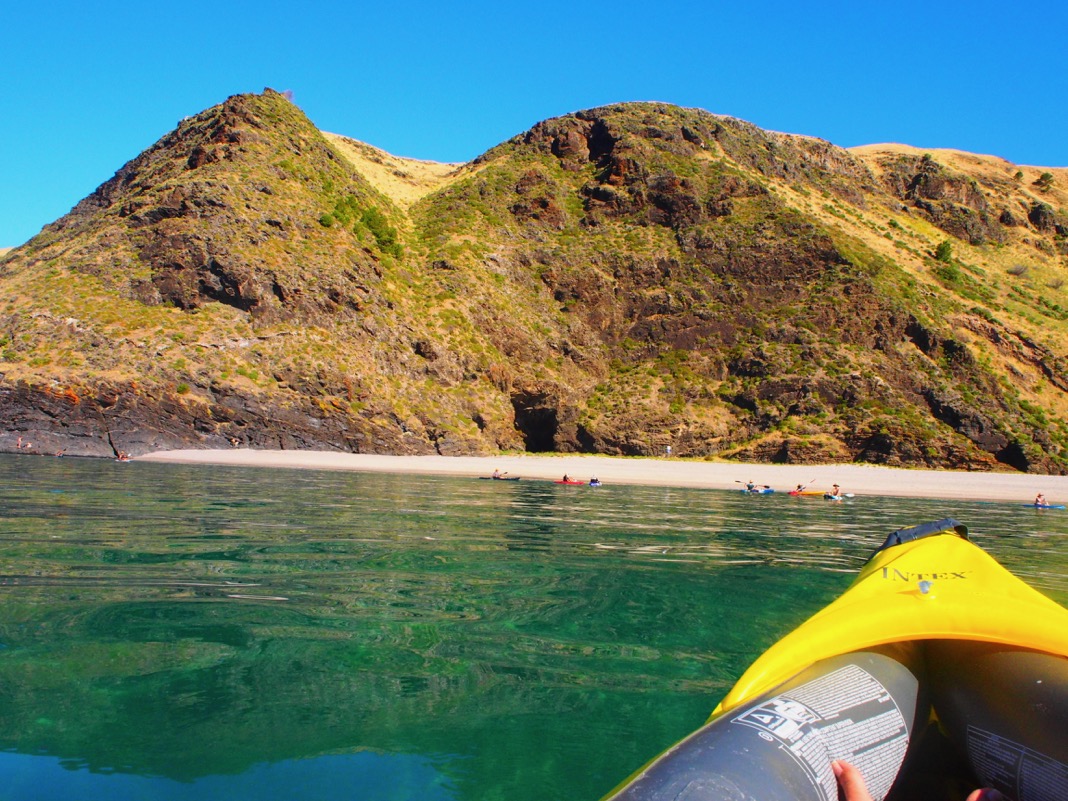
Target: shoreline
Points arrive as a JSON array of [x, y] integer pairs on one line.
[[667, 472]]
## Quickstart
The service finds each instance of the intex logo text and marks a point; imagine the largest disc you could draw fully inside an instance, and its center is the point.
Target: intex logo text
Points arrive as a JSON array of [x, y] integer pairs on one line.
[[907, 575]]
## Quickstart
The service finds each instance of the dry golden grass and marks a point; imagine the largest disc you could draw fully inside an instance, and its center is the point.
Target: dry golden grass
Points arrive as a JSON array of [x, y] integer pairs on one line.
[[402, 180], [988, 170], [908, 240]]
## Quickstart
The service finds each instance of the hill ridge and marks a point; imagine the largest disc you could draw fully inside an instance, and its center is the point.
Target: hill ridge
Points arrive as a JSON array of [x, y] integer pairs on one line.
[[613, 280], [404, 180]]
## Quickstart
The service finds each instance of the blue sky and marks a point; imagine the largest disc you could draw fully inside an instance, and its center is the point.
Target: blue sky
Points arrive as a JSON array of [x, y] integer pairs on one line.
[[86, 87]]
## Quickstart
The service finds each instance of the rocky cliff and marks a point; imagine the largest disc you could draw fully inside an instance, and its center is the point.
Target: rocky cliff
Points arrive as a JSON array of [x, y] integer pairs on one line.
[[613, 281]]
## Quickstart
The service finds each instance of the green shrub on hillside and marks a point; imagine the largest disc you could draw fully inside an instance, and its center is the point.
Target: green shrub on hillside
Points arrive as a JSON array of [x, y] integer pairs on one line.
[[351, 213], [1044, 182], [384, 233], [944, 251]]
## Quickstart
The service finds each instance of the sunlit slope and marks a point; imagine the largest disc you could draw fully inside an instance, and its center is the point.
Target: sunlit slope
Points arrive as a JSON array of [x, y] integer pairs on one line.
[[616, 280]]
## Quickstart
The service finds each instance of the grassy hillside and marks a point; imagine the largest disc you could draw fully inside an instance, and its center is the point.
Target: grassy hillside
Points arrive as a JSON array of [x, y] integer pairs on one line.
[[613, 281]]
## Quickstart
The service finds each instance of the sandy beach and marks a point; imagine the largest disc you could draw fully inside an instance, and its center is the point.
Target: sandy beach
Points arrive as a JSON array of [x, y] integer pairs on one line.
[[858, 479]]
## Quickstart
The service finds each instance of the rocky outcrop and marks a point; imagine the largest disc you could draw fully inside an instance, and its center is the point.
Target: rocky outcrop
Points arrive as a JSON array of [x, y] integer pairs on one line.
[[953, 202], [614, 281], [106, 420], [218, 211]]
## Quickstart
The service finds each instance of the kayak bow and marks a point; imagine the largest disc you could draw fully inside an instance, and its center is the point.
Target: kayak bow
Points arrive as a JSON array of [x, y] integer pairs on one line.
[[935, 659]]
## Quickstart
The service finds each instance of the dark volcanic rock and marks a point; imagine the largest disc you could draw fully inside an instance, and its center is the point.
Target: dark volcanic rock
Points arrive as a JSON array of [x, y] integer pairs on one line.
[[1042, 217], [953, 202], [612, 281], [107, 420]]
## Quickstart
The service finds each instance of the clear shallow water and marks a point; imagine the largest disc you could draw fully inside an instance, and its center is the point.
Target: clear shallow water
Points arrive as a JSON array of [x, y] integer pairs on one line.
[[192, 632]]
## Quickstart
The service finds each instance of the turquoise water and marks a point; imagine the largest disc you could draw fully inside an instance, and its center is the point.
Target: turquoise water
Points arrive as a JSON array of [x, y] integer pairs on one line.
[[192, 632]]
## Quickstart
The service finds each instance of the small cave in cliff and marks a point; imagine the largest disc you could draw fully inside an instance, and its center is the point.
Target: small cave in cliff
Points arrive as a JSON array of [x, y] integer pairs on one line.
[[536, 421], [1014, 456]]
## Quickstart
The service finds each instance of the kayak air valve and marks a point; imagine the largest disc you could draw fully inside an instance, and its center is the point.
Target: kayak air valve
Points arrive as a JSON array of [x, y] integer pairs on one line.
[[925, 588]]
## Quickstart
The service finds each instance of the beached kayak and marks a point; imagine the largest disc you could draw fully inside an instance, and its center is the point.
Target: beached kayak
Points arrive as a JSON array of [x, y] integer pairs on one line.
[[936, 670]]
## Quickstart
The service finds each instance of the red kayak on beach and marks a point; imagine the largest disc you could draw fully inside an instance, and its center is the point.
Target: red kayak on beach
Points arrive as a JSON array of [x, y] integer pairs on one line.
[[803, 490]]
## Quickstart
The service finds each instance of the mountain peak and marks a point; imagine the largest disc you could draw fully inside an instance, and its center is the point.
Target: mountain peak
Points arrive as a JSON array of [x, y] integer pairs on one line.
[[612, 280]]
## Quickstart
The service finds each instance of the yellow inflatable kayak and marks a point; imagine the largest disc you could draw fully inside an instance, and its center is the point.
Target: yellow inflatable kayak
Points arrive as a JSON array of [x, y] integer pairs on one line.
[[936, 672]]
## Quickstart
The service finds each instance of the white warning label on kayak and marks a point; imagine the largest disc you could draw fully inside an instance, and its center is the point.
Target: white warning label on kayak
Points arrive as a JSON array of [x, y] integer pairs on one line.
[[1028, 774], [847, 714]]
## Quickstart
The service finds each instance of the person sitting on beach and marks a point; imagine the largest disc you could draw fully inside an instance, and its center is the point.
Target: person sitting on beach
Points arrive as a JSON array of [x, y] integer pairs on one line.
[[1040, 500], [851, 783]]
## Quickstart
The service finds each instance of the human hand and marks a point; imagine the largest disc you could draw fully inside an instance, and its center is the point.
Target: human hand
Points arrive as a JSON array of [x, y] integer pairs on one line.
[[852, 784]]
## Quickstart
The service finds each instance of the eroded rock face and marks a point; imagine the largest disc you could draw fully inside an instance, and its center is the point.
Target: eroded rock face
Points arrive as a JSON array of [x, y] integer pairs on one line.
[[226, 209], [110, 419], [612, 281], [953, 202], [1042, 217]]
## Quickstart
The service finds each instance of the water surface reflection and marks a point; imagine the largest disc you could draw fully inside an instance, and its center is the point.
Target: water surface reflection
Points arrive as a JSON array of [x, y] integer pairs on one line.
[[191, 632]]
